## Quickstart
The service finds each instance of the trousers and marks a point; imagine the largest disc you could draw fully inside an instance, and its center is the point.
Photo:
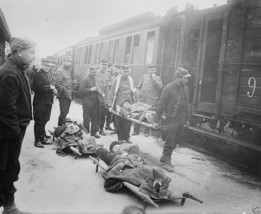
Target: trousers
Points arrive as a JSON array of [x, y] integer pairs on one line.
[[42, 113], [65, 104], [9, 174]]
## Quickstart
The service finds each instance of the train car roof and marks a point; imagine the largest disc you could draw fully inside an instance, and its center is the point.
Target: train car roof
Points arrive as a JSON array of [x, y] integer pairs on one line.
[[5, 34]]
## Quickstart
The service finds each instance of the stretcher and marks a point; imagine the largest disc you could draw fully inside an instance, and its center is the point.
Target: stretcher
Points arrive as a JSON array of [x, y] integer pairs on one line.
[[149, 125], [144, 197]]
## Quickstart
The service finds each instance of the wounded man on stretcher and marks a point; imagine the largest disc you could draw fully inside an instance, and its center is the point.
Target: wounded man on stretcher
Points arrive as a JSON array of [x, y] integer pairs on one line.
[[125, 165]]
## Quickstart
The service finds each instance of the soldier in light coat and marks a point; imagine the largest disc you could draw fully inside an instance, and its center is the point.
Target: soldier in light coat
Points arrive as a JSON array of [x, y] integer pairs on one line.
[[149, 86]]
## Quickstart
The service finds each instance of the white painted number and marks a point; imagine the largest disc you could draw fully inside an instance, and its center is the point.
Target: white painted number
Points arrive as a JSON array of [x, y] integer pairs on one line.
[[252, 85]]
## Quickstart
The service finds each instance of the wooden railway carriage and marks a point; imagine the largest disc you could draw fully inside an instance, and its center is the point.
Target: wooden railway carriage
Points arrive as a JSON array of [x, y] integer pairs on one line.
[[133, 41], [221, 48], [227, 97]]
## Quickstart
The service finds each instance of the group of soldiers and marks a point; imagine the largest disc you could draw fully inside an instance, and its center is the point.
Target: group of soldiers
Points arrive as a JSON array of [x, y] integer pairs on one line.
[[101, 92], [103, 89]]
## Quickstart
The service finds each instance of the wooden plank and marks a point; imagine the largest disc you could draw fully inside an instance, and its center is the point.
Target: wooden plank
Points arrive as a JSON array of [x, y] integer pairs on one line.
[[253, 34], [229, 140], [253, 72], [253, 43], [244, 81], [254, 102], [243, 90]]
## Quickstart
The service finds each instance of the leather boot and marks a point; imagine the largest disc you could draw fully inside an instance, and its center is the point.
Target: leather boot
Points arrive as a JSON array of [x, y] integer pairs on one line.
[[12, 209]]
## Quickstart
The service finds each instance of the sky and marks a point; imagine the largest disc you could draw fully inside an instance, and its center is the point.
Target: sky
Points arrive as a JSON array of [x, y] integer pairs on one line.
[[57, 24]]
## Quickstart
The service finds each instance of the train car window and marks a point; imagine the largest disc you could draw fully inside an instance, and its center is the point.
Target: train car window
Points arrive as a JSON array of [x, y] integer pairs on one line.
[[89, 54], [110, 52], [128, 50], [135, 49], [116, 50], [101, 51], [86, 55], [96, 53], [150, 47]]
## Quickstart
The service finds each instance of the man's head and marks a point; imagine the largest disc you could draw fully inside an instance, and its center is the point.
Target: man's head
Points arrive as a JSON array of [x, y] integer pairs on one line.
[[46, 67], [181, 76], [92, 70], [23, 50], [116, 69], [115, 146], [125, 69], [67, 62], [152, 69], [67, 121], [126, 104], [104, 65]]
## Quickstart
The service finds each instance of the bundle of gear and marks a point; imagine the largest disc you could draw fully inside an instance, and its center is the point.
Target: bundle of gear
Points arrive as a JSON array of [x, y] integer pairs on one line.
[[72, 137]]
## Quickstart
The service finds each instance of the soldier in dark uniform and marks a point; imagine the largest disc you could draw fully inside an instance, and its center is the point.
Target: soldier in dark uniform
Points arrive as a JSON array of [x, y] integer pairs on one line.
[[64, 86], [174, 101], [42, 103], [104, 77], [15, 115], [90, 92]]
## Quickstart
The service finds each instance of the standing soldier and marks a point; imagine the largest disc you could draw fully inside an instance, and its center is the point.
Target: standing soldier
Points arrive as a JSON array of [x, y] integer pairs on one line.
[[174, 101], [15, 115], [64, 86], [149, 86], [122, 90], [104, 77], [90, 91], [42, 103]]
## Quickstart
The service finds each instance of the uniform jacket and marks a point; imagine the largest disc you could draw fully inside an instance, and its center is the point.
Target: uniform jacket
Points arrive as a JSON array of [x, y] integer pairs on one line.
[[124, 92], [63, 83], [149, 87], [174, 102], [105, 80], [85, 88], [15, 105], [41, 86]]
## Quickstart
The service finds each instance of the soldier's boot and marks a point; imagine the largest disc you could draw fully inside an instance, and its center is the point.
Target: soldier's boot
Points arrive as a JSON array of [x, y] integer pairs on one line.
[[12, 209], [165, 163]]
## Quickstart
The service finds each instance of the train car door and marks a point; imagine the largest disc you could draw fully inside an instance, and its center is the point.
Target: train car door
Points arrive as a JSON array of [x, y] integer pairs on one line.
[[208, 92]]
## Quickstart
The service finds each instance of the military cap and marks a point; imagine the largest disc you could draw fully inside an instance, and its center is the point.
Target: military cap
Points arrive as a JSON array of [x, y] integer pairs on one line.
[[104, 60], [114, 143], [21, 43], [125, 67], [182, 72], [117, 66], [152, 66]]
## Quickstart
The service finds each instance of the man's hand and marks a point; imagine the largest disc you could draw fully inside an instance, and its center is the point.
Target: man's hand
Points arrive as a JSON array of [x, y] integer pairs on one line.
[[94, 88], [110, 109], [187, 124], [52, 87]]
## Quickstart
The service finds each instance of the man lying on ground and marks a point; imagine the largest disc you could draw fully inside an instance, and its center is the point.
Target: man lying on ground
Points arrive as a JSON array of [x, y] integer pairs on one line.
[[125, 164]]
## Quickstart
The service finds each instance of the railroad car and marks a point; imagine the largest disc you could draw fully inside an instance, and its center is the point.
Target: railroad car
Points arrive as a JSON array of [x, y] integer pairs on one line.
[[133, 41], [227, 91], [221, 48]]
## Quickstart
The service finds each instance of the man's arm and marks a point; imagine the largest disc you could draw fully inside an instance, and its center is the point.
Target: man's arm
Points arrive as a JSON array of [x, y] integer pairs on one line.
[[164, 98], [157, 81], [59, 81], [9, 90]]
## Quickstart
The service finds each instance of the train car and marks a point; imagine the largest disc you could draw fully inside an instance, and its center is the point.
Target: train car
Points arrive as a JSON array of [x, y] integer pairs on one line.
[[227, 93], [5, 36], [133, 41]]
